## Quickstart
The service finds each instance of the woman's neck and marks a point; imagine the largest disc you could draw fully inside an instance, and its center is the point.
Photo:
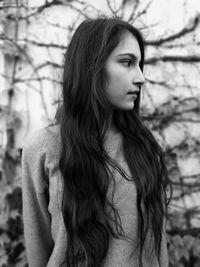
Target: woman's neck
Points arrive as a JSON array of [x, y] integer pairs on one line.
[[111, 127]]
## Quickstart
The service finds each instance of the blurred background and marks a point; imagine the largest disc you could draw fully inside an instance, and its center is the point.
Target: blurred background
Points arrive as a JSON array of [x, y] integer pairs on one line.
[[34, 36]]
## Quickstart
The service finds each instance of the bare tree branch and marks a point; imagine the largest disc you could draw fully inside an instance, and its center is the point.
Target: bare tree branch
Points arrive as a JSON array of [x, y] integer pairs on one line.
[[47, 5], [143, 11], [182, 32], [195, 232], [36, 43], [183, 59]]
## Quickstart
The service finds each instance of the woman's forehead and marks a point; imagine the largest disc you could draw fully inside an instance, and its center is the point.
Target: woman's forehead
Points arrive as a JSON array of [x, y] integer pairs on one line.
[[128, 44]]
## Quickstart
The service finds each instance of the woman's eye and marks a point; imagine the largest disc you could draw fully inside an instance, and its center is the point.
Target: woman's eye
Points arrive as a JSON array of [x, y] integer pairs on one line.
[[127, 62]]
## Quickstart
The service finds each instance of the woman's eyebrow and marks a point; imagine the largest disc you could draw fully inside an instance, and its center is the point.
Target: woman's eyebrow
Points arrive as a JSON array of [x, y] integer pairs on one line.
[[134, 57]]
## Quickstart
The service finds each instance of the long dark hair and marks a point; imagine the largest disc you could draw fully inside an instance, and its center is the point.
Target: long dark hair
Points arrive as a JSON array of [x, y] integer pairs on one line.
[[84, 161]]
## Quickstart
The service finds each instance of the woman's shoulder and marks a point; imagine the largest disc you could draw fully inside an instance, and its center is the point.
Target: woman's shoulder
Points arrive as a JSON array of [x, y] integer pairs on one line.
[[44, 140]]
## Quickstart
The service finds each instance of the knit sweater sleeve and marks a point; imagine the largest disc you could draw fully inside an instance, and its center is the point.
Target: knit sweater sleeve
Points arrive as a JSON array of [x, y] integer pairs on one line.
[[36, 217]]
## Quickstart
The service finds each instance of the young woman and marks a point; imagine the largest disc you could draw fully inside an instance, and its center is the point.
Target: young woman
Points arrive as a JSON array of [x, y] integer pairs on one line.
[[94, 185]]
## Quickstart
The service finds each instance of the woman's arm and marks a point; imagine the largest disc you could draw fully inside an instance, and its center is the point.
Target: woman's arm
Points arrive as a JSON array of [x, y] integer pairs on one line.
[[37, 220]]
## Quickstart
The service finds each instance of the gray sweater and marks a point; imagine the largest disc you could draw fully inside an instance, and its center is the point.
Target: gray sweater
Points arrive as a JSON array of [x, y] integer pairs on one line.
[[42, 188]]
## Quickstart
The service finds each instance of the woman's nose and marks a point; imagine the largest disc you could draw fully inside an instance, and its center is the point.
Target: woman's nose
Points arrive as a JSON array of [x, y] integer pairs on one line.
[[138, 77]]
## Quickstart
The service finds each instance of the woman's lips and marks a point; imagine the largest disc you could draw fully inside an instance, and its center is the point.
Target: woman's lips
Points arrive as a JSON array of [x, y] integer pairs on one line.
[[133, 93]]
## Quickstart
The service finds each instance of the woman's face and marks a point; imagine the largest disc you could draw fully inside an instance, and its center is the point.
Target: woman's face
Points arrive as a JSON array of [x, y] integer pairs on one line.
[[124, 76]]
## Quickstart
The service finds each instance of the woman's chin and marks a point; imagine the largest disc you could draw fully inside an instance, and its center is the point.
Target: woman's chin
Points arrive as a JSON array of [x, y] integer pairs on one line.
[[129, 106], [126, 106]]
